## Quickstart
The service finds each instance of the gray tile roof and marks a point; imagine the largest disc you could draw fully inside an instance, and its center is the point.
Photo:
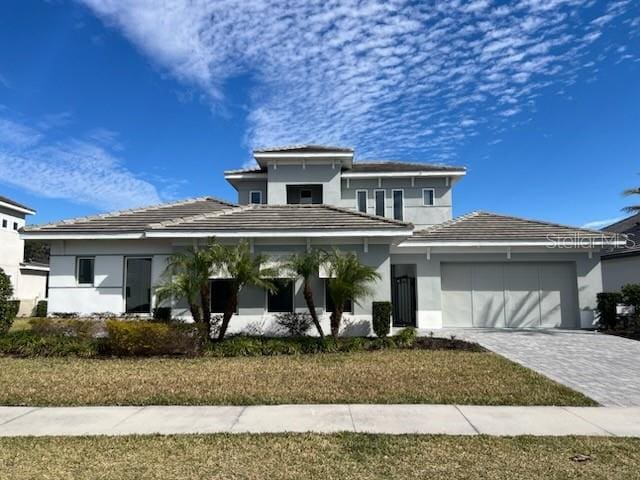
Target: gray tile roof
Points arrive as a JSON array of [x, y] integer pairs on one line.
[[300, 148], [136, 220], [14, 203], [485, 226], [398, 166], [629, 226], [212, 215], [377, 166], [283, 217]]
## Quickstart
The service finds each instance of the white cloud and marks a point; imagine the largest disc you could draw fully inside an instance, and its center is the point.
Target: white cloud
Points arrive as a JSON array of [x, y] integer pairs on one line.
[[598, 224], [77, 170], [370, 73]]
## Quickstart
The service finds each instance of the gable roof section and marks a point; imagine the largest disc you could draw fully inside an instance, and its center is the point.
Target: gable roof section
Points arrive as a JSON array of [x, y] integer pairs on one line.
[[135, 220], [284, 220], [203, 217], [15, 205], [485, 228], [629, 226]]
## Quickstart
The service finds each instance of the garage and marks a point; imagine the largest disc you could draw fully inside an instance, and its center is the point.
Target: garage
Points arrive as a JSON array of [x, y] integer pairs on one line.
[[509, 294]]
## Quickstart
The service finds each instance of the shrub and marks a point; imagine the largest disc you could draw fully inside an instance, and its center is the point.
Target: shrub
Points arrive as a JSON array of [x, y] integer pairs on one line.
[[68, 327], [162, 314], [41, 309], [294, 324], [381, 318], [606, 309], [29, 344], [237, 346], [146, 338], [7, 308], [631, 295], [406, 337], [64, 315]]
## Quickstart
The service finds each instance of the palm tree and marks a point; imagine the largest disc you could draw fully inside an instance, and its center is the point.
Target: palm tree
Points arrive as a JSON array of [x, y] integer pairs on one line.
[[348, 280], [187, 276], [244, 269], [305, 265], [632, 208]]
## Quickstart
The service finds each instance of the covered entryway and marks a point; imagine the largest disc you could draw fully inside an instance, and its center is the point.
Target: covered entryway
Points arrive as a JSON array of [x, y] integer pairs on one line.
[[403, 295], [509, 294]]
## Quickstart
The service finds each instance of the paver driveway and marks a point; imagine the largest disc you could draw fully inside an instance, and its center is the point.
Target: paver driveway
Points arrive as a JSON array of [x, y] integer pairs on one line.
[[603, 367]]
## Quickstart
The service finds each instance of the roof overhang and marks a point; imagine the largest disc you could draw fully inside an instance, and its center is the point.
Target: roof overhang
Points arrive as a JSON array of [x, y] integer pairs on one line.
[[417, 173], [265, 159], [281, 233], [38, 268], [35, 235], [16, 208], [559, 244]]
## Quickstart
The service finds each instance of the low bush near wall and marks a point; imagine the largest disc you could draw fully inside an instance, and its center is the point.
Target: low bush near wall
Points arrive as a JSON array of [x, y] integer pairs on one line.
[[146, 338], [606, 309], [8, 308], [381, 312], [29, 344], [41, 309], [294, 324], [68, 327]]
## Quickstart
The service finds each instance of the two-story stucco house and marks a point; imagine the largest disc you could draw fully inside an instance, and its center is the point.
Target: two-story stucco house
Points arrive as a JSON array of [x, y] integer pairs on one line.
[[478, 270], [29, 279]]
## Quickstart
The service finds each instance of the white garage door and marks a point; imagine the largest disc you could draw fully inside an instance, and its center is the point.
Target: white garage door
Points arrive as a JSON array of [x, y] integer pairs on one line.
[[515, 295]]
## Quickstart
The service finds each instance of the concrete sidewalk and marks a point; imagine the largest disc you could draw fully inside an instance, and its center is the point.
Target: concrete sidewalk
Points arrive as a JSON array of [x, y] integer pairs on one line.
[[392, 419]]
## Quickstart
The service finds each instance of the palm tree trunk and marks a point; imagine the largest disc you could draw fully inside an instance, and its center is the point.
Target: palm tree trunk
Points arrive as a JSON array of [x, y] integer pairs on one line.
[[194, 308], [230, 309], [308, 297], [336, 318], [205, 299]]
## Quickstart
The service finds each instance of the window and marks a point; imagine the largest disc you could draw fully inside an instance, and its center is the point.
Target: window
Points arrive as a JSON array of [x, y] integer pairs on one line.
[[306, 197], [282, 299], [220, 293], [379, 196], [255, 197], [85, 270], [15, 225], [398, 204], [328, 302], [361, 200], [428, 196], [4, 223]]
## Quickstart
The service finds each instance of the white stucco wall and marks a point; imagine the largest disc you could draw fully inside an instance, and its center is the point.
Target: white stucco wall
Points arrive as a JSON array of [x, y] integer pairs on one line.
[[11, 246]]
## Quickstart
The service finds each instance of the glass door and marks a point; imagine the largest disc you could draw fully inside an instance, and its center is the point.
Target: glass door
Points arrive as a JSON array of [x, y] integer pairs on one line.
[[138, 285]]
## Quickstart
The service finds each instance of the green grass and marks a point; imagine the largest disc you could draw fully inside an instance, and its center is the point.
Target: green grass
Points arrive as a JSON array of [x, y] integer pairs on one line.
[[387, 376], [321, 457]]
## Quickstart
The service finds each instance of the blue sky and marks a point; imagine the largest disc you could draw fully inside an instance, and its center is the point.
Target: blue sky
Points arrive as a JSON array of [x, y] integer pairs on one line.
[[110, 104]]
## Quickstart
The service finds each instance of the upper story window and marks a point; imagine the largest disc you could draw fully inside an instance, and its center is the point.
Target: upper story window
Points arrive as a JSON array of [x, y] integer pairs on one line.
[[255, 197], [428, 197], [398, 204], [85, 270], [4, 223], [15, 225], [380, 202], [361, 201]]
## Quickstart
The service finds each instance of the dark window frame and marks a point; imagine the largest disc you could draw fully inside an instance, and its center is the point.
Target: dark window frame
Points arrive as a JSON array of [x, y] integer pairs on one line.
[[259, 202], [384, 202], [397, 216], [328, 303], [272, 297], [366, 201], [217, 308], [79, 260], [433, 197]]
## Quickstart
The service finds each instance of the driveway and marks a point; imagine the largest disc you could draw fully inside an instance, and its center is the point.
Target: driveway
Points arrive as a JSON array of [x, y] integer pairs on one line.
[[603, 367]]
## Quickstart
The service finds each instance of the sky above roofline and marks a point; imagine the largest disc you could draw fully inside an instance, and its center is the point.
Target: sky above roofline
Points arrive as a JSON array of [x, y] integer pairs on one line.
[[110, 104]]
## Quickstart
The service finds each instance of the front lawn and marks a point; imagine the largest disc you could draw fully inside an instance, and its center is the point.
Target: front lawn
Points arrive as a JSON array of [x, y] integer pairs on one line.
[[307, 456], [386, 376]]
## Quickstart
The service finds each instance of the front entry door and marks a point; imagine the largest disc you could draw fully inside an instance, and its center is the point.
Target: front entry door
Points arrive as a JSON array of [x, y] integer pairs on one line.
[[403, 298], [138, 285]]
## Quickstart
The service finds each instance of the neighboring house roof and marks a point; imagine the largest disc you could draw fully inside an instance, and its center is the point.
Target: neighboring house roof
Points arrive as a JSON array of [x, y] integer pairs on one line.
[[302, 148], [211, 217], [381, 166], [135, 220], [492, 228], [629, 226], [12, 203]]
